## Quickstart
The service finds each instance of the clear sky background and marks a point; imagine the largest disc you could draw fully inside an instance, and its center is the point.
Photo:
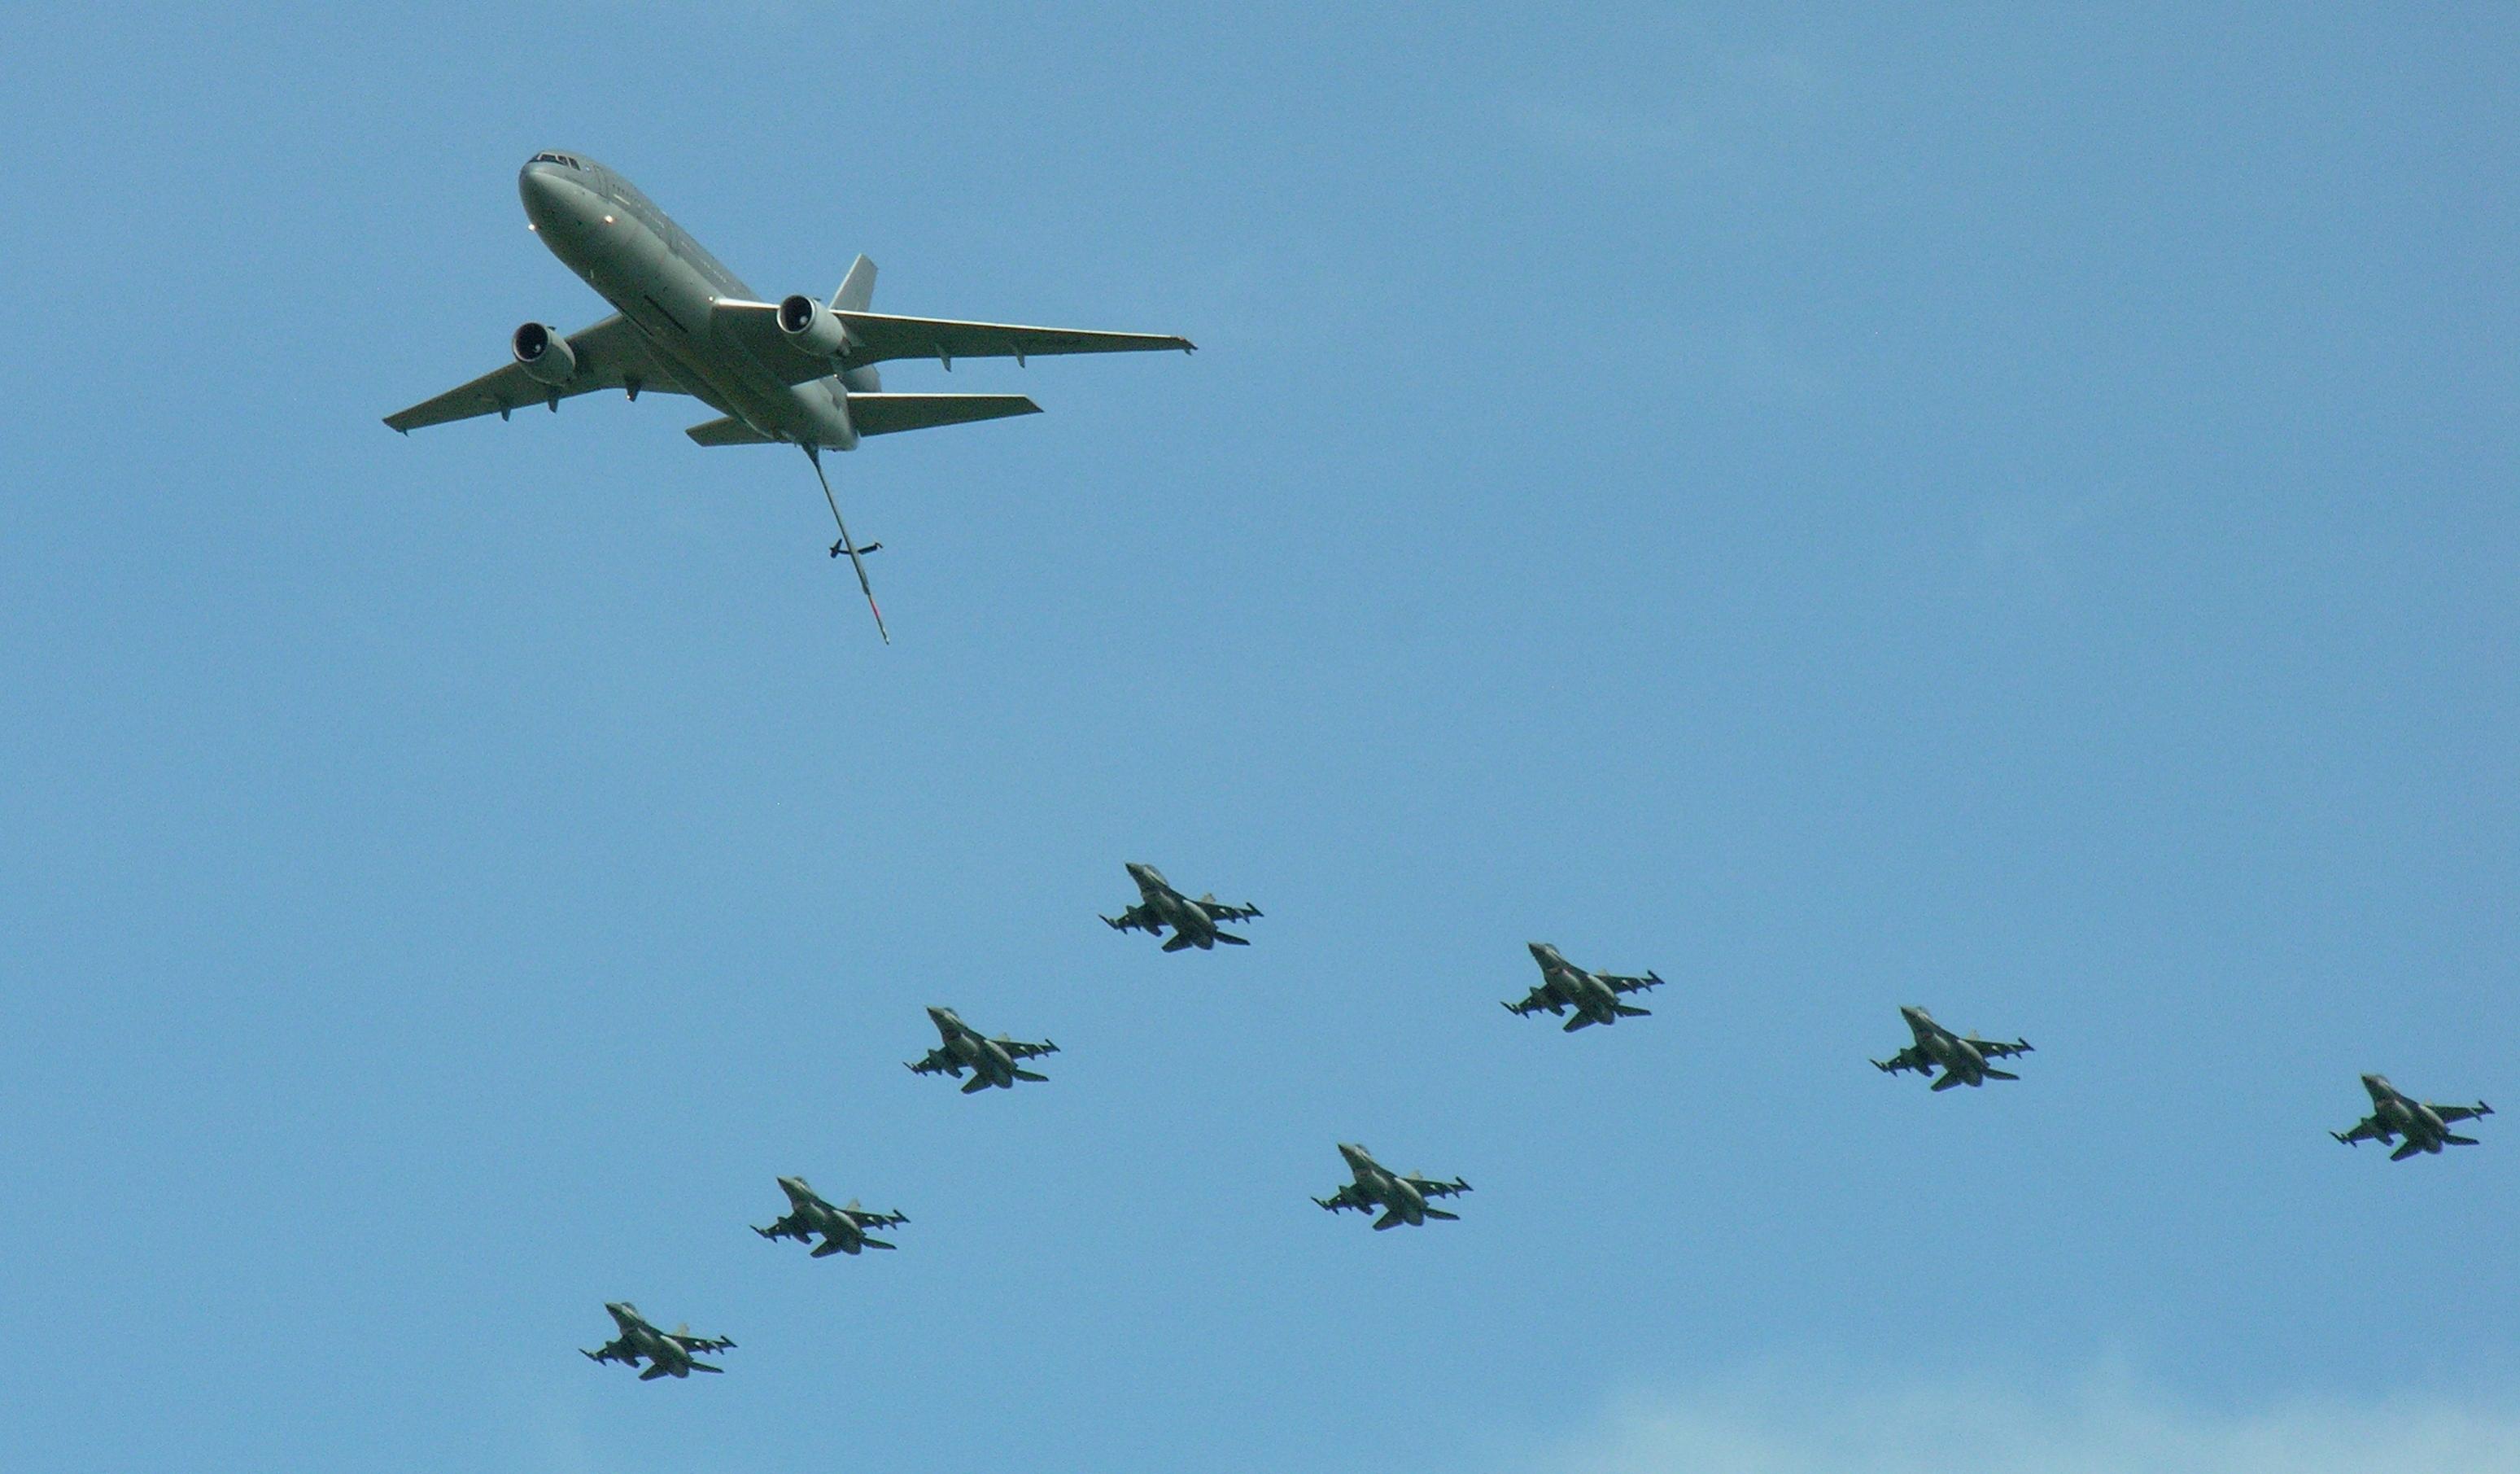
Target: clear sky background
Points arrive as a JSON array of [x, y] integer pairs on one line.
[[1986, 507]]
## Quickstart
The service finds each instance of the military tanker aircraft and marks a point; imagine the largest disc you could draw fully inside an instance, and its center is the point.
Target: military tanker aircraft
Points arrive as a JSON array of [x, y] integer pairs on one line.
[[1192, 922], [843, 1229], [1401, 1196], [668, 1354], [1964, 1060], [2395, 1114], [992, 1059], [1595, 996], [795, 372]]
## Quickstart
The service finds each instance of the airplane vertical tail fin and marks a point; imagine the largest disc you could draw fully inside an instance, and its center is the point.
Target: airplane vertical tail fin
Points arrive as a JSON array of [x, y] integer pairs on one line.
[[857, 289]]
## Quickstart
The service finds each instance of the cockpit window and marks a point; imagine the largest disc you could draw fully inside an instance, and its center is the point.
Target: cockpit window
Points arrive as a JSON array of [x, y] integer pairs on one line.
[[557, 159]]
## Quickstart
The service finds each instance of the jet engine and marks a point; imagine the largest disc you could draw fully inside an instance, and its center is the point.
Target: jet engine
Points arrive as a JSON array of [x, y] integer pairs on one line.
[[546, 356], [811, 329]]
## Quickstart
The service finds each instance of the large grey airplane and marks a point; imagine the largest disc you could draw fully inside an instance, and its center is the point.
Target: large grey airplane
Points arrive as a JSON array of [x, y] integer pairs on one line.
[[843, 1229], [796, 372], [992, 1060], [2395, 1114], [1962, 1060], [1595, 996], [1401, 1196], [668, 1354], [1192, 922]]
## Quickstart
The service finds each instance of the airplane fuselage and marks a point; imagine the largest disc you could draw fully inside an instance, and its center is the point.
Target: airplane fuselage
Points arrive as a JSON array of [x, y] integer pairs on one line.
[[667, 285]]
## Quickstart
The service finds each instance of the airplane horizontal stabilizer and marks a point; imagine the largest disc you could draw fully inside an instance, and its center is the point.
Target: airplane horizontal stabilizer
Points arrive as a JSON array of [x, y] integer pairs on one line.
[[728, 432], [2002, 1074], [890, 414], [1438, 1213]]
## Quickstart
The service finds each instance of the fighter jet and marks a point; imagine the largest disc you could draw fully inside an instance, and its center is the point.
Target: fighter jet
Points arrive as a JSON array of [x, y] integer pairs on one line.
[[796, 372], [843, 1229], [668, 1354], [992, 1060], [1595, 996], [1401, 1198], [1964, 1060], [2425, 1126], [1194, 922]]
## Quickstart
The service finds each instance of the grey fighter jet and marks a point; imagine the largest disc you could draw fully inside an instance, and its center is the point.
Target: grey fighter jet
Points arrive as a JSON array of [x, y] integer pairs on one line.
[[2395, 1114], [843, 1229], [1194, 922], [796, 372], [1595, 996], [993, 1061], [668, 1354], [1962, 1061], [1401, 1197]]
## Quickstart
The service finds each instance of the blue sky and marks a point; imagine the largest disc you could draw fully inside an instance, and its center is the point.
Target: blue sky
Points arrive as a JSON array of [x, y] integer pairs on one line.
[[2004, 510]]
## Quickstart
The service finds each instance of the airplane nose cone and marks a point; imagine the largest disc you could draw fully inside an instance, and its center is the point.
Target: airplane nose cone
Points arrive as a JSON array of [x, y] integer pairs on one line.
[[554, 200]]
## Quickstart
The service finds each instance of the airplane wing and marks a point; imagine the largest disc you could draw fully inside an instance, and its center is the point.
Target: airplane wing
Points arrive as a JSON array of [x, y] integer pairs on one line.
[[611, 355], [1540, 1000], [691, 1343], [1345, 1198], [882, 1219], [787, 1227], [2450, 1114], [1016, 1049], [874, 336], [1218, 911], [1435, 1189], [938, 1062], [1910, 1058], [1133, 919], [2368, 1129], [1619, 983], [1996, 1049], [611, 1351]]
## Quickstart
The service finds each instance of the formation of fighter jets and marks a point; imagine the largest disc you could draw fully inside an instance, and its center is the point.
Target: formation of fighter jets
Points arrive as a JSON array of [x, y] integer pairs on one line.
[[803, 373]]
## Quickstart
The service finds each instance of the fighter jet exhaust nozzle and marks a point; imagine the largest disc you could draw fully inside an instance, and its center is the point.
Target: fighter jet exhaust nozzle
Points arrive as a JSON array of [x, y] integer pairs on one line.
[[544, 355], [811, 329]]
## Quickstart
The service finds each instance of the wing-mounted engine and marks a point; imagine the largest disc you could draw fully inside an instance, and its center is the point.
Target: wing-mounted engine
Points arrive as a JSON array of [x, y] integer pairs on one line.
[[811, 329], [544, 355]]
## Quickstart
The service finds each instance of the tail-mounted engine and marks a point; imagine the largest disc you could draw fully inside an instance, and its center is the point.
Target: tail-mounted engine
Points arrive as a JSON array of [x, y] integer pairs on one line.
[[544, 356], [811, 329]]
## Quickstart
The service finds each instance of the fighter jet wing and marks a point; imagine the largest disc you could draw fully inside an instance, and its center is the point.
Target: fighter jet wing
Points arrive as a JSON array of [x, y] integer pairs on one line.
[[611, 1351], [611, 355], [1996, 1048], [878, 1220], [1218, 911], [1619, 983], [1343, 1199], [1540, 1000], [786, 1227], [690, 1343], [1435, 1189], [2460, 1113], [1016, 1049], [1910, 1058], [938, 1062], [2368, 1129], [1134, 919]]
